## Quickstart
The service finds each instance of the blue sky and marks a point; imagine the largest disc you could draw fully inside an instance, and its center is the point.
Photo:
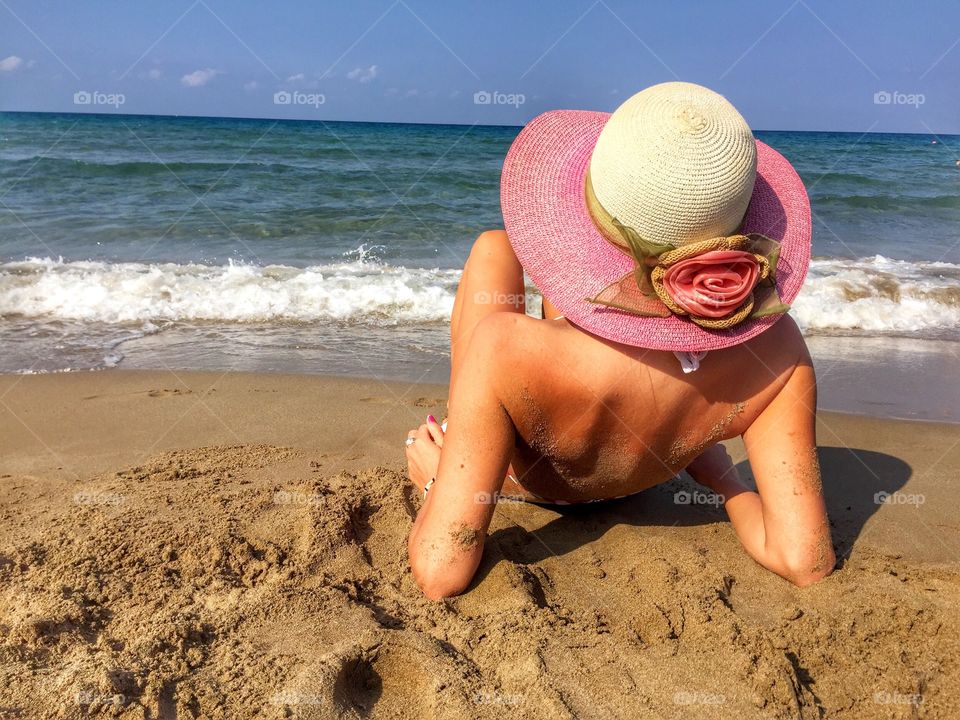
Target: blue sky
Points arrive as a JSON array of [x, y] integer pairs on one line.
[[786, 64]]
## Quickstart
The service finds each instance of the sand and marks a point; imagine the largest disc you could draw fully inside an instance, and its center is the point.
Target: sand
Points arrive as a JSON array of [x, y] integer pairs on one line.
[[231, 546]]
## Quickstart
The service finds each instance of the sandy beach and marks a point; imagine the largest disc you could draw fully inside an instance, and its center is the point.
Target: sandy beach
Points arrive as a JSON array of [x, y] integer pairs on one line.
[[207, 545]]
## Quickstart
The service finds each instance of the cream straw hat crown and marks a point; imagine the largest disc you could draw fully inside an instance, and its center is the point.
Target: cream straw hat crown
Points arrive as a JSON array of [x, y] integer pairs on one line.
[[677, 163]]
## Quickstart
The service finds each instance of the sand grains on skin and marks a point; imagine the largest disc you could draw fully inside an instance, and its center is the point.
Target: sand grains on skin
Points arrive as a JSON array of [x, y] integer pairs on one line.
[[465, 537]]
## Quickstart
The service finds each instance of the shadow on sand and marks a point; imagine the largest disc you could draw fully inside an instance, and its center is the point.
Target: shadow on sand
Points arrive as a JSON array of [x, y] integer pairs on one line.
[[853, 481]]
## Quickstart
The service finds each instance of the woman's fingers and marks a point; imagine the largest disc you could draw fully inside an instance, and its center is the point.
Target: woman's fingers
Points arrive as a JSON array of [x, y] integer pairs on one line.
[[423, 454], [429, 432], [434, 429]]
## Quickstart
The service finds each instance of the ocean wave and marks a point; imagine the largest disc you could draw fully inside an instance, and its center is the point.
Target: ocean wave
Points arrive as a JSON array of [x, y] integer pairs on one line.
[[137, 292], [873, 296], [877, 296]]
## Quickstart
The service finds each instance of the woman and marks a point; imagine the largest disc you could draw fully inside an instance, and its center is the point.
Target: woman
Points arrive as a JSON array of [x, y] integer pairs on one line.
[[667, 244]]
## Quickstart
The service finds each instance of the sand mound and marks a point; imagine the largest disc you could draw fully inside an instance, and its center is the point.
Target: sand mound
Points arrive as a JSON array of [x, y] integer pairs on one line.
[[238, 582]]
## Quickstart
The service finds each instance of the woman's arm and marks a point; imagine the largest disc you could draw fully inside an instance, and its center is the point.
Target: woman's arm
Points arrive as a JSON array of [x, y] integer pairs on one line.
[[785, 526], [446, 543]]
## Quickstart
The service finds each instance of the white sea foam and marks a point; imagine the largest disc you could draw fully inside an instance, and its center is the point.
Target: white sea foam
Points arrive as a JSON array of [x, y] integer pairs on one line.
[[877, 296], [873, 296], [135, 292]]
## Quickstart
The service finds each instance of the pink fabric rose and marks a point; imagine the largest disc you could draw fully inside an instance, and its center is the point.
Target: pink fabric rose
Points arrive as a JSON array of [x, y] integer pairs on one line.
[[714, 284]]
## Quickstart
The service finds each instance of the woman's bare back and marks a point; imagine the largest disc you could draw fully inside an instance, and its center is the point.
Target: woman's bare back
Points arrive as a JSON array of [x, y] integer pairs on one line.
[[597, 420]]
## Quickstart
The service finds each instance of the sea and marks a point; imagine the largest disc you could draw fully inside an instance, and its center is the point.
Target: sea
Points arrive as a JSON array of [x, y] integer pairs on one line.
[[327, 247]]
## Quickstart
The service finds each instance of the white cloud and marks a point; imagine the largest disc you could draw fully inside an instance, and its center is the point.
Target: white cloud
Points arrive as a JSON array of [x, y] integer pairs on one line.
[[9, 64], [199, 78], [154, 73], [296, 78], [364, 75], [251, 86]]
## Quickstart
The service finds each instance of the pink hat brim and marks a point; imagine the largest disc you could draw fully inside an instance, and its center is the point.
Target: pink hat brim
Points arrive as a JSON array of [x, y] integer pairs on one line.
[[567, 258]]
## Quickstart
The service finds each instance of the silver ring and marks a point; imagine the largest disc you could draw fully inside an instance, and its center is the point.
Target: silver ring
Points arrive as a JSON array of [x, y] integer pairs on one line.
[[410, 441]]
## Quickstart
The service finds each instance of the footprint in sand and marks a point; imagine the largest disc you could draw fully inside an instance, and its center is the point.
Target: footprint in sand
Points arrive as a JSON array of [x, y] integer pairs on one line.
[[429, 402], [421, 402], [168, 392]]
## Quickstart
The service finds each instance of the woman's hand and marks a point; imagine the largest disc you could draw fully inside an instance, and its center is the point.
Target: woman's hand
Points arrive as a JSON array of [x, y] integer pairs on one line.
[[423, 455]]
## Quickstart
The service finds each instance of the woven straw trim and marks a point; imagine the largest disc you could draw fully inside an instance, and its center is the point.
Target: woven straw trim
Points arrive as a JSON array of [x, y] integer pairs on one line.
[[732, 242], [764, 267], [731, 320], [656, 279]]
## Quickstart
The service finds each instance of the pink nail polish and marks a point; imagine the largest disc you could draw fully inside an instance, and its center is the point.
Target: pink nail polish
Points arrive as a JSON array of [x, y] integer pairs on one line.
[[431, 418]]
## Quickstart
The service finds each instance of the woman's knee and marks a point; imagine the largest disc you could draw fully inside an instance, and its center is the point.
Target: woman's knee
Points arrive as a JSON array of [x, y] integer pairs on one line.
[[493, 244]]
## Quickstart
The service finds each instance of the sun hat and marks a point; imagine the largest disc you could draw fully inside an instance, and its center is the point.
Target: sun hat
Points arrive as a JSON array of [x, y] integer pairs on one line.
[[663, 225]]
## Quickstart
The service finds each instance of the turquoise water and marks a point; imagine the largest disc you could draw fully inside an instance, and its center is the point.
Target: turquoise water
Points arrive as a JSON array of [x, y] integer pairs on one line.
[[148, 189], [159, 189], [336, 247]]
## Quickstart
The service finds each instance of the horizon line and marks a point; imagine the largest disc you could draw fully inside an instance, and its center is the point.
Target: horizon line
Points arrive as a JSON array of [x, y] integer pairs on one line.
[[395, 122]]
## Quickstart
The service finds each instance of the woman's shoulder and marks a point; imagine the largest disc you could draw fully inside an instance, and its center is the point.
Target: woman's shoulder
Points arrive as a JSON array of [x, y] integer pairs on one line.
[[781, 347]]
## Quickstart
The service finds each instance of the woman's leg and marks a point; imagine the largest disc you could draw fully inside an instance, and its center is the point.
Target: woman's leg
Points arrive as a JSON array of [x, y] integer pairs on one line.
[[492, 281]]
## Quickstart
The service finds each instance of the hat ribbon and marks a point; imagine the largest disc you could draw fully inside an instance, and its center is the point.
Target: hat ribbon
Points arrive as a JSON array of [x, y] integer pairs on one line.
[[716, 283]]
